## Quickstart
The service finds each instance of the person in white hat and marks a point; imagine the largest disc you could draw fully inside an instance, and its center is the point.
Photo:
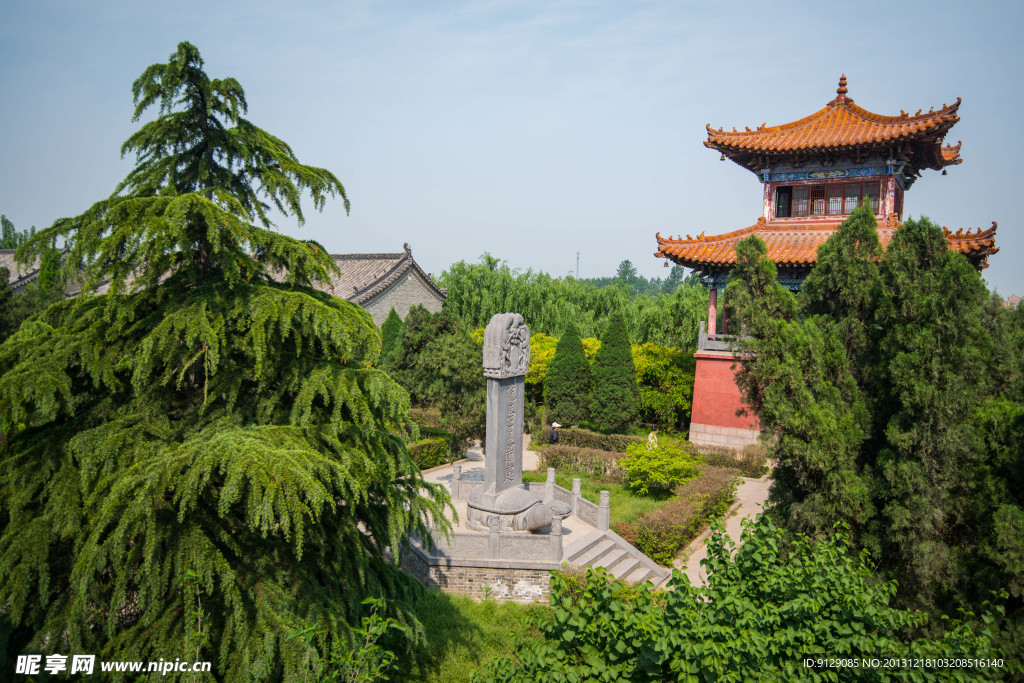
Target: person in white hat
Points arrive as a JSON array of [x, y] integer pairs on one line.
[[553, 438], [554, 433]]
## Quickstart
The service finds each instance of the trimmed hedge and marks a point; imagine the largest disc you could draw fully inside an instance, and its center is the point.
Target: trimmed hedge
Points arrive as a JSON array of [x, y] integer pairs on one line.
[[752, 461], [594, 461], [426, 417], [584, 438], [427, 453], [662, 533]]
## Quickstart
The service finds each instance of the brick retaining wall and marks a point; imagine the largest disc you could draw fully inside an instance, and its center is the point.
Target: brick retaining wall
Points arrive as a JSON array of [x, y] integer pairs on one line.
[[481, 578]]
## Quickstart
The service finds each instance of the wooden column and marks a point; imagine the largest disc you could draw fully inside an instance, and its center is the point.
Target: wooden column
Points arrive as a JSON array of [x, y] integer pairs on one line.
[[712, 310], [725, 317]]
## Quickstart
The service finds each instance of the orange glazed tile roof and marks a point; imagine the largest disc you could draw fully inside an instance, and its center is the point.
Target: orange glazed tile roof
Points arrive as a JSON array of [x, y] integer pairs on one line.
[[795, 245], [843, 126]]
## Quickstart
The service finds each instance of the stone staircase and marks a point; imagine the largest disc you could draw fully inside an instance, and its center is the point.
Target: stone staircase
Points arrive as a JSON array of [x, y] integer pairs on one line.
[[609, 550]]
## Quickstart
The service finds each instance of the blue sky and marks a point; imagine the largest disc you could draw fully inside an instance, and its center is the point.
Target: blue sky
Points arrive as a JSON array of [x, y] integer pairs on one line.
[[530, 130]]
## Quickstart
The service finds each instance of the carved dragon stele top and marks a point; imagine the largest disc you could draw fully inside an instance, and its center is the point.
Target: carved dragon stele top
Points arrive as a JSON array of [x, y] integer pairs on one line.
[[506, 346]]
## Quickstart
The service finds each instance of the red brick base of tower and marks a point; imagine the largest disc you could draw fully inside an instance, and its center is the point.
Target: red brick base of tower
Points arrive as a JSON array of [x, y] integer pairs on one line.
[[716, 399]]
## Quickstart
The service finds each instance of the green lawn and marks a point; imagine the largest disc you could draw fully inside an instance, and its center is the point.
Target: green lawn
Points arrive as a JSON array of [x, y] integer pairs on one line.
[[461, 634], [626, 506]]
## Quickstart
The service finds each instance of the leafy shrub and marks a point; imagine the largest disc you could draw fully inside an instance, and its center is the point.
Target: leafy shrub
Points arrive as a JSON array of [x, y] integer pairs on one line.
[[665, 377], [594, 461], [662, 533], [427, 453], [585, 438], [769, 605], [752, 461], [658, 470]]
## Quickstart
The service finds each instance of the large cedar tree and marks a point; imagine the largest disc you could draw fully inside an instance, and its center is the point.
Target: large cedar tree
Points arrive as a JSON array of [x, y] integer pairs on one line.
[[200, 461]]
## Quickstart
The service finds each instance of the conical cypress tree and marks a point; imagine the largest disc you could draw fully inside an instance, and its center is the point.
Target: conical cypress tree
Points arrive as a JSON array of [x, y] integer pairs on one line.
[[567, 384], [390, 334], [202, 461], [616, 404]]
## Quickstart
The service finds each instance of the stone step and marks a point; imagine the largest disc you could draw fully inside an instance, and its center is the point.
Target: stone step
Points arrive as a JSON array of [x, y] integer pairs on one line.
[[641, 574], [581, 546], [595, 553], [625, 567]]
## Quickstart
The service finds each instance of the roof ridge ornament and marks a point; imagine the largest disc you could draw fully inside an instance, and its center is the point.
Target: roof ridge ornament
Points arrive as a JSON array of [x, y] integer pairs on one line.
[[841, 90]]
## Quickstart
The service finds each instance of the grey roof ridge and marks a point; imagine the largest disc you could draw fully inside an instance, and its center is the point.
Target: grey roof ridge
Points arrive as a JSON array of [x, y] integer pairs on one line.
[[401, 267]]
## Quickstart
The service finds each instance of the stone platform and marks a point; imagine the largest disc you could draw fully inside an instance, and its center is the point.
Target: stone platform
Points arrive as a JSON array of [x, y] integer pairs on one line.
[[516, 566]]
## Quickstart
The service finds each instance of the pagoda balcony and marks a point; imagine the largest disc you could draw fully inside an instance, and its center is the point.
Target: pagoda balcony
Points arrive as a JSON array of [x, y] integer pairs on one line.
[[715, 342]]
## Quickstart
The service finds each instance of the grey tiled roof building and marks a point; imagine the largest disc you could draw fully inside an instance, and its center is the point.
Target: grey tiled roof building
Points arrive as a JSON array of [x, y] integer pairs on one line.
[[377, 282]]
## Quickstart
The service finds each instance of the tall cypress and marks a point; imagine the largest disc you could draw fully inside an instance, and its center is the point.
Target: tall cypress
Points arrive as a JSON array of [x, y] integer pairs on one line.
[[390, 334], [567, 384], [616, 403], [202, 459]]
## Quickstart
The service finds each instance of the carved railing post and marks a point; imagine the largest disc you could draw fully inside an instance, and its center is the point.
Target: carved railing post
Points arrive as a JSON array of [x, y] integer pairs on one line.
[[493, 537], [575, 497], [549, 486], [457, 482], [604, 512], [556, 540]]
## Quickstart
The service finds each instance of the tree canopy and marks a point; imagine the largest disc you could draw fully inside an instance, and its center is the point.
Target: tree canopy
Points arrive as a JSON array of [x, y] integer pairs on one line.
[[771, 604], [478, 291], [892, 385], [202, 458], [567, 385], [616, 401]]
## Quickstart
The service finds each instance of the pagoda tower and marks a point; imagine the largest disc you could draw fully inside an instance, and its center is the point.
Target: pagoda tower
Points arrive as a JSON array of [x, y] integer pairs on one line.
[[814, 173]]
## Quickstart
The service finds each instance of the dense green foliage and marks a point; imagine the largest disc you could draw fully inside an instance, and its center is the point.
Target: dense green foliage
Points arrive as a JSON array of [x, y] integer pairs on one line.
[[440, 365], [665, 378], [202, 460], [478, 291], [567, 385], [892, 384], [657, 469], [662, 533], [390, 334], [616, 402], [769, 605]]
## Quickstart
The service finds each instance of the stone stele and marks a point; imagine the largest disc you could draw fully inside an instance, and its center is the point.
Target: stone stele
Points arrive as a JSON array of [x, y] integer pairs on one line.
[[506, 360], [504, 500]]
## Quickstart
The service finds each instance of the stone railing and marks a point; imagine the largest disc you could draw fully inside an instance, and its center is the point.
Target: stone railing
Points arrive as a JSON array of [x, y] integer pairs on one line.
[[715, 342], [498, 545], [597, 515]]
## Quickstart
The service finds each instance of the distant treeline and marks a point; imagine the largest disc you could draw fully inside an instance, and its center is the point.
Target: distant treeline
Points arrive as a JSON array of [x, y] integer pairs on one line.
[[628, 276], [478, 291]]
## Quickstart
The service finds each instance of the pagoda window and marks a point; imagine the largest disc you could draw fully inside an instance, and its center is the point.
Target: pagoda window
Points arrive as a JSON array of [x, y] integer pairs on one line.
[[784, 202], [835, 200], [871, 190], [853, 197], [800, 195], [831, 199], [817, 200]]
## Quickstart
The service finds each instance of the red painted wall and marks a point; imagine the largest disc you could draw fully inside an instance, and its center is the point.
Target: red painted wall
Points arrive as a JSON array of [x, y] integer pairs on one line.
[[716, 398]]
